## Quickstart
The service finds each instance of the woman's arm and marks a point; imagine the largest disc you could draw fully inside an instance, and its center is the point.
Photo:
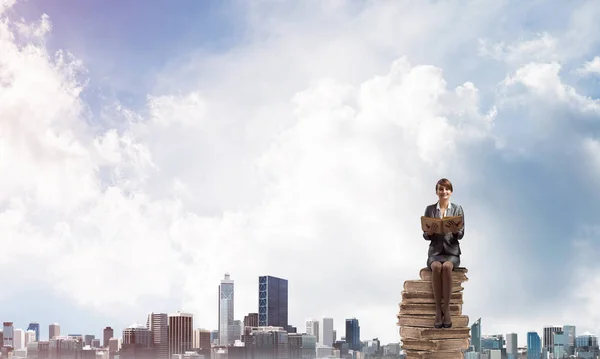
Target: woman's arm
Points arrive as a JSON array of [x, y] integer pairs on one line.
[[461, 232]]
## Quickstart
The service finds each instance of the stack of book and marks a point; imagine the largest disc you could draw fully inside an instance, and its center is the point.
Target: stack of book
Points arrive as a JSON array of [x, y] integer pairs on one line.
[[420, 339]]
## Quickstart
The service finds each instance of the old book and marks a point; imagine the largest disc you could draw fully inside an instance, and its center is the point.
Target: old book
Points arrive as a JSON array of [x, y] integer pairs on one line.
[[444, 225], [433, 333], [422, 309], [457, 275], [427, 297], [425, 286], [435, 344], [426, 321], [446, 354]]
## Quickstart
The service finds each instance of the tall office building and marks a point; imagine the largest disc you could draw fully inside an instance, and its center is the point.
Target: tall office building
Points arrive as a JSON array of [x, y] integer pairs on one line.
[[251, 320], [226, 313], [18, 339], [8, 334], [36, 328], [534, 346], [158, 324], [181, 333], [272, 302], [201, 339], [107, 334], [353, 334], [511, 345], [53, 330], [326, 332], [548, 337], [30, 337], [570, 332], [137, 334], [312, 328], [476, 335]]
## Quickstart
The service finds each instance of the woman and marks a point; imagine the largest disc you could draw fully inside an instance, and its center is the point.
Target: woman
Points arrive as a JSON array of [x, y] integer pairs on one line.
[[444, 252]]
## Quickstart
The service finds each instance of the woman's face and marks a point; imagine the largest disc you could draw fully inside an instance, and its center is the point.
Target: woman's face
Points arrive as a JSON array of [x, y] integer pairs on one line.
[[443, 193]]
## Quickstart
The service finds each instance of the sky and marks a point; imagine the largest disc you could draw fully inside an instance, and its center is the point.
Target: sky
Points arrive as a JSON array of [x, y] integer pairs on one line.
[[146, 151]]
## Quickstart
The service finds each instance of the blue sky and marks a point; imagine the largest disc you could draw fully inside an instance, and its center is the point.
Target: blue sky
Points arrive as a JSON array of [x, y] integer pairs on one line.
[[215, 137]]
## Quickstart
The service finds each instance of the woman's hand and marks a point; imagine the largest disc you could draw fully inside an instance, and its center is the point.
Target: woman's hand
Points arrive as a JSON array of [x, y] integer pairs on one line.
[[432, 229]]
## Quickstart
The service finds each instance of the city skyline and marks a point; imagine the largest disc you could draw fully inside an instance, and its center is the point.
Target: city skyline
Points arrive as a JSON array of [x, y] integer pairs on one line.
[[300, 139]]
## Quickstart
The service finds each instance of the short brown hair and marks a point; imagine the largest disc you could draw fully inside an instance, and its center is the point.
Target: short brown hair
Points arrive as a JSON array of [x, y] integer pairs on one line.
[[444, 182]]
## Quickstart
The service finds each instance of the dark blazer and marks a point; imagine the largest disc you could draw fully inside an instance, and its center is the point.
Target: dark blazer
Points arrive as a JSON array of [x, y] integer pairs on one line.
[[445, 243]]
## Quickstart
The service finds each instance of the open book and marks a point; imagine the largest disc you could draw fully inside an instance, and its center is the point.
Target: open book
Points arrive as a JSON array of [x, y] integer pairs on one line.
[[445, 225]]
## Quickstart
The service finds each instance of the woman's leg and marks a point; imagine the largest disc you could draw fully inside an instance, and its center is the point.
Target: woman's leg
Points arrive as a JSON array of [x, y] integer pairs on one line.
[[436, 282], [447, 268]]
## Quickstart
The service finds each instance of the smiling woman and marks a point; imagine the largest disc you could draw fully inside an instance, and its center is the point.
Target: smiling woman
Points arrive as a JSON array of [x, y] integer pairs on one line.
[[444, 250]]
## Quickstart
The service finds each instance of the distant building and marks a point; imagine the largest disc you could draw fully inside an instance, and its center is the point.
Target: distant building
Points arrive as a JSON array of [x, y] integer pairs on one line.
[[534, 346], [312, 327], [158, 324], [36, 328], [511, 345], [272, 302], [53, 330], [548, 337], [476, 335], [8, 334], [181, 333], [107, 334], [326, 332], [353, 334], [226, 311]]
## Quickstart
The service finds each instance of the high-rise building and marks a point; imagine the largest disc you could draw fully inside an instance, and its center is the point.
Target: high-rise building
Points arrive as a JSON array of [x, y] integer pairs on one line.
[[312, 328], [326, 332], [53, 330], [107, 334], [353, 334], [181, 333], [201, 339], [158, 324], [36, 328], [18, 339], [226, 313], [272, 302], [476, 335], [30, 337], [548, 337], [511, 345], [137, 334], [534, 345], [8, 334], [87, 339], [251, 320], [570, 332]]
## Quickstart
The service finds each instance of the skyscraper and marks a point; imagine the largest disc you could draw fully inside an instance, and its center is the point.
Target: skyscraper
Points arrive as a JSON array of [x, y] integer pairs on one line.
[[353, 334], [36, 328], [226, 311], [570, 332], [312, 328], [548, 339], [476, 335], [53, 330], [326, 332], [534, 346], [272, 302], [108, 333], [8, 334], [181, 333], [158, 324], [511, 345]]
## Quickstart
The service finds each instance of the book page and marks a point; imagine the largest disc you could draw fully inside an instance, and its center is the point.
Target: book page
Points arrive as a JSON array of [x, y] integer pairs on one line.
[[427, 222], [452, 224]]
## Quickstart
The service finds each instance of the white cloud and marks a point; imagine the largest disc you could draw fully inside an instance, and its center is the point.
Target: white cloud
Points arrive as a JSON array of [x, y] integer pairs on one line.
[[310, 167], [591, 67]]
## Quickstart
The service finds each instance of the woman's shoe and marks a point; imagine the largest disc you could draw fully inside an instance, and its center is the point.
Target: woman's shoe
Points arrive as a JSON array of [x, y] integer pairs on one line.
[[439, 325], [446, 325]]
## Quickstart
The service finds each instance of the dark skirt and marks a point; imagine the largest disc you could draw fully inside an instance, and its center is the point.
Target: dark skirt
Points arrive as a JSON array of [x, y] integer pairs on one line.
[[443, 258]]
